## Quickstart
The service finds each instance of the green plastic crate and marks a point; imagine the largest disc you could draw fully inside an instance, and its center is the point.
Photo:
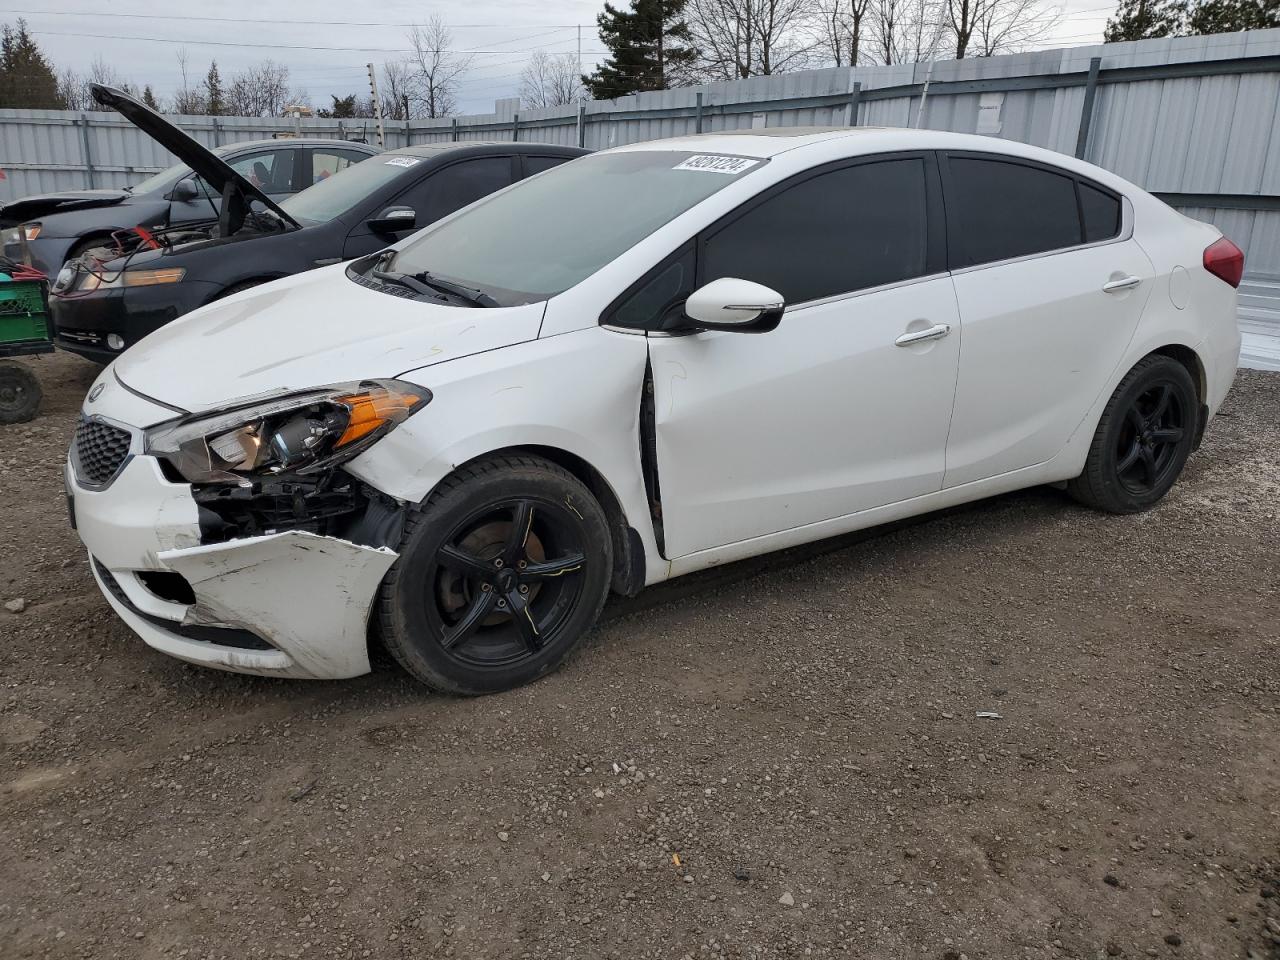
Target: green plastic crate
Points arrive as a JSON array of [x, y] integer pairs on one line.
[[24, 311]]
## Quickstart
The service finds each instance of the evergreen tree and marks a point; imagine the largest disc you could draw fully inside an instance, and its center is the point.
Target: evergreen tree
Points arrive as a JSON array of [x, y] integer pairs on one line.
[[650, 49], [149, 98], [1144, 19], [26, 78], [1228, 16], [214, 104]]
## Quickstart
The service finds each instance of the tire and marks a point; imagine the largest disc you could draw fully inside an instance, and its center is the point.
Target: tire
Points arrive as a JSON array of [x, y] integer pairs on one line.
[[450, 606], [1143, 440], [20, 393]]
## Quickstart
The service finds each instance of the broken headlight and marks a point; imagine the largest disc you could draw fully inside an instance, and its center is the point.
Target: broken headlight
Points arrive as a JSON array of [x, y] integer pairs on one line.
[[300, 433]]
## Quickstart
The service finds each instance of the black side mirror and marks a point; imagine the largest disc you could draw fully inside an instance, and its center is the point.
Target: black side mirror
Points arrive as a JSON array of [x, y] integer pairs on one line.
[[393, 220], [185, 190]]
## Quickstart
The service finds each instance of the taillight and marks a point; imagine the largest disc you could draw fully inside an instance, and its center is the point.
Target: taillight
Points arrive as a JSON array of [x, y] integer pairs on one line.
[[1225, 261]]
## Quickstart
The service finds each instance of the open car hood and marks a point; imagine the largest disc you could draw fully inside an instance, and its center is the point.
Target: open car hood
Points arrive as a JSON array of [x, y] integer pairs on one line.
[[236, 191], [312, 329], [43, 204]]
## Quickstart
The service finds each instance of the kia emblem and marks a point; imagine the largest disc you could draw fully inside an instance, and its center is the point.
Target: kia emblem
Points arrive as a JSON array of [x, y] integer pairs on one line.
[[96, 392]]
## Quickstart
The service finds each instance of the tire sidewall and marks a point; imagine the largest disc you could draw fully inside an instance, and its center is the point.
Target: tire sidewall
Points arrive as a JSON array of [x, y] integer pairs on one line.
[[403, 609]]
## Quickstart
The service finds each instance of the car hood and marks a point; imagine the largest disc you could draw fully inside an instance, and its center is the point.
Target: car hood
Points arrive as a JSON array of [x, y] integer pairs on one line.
[[43, 204], [310, 330], [215, 171]]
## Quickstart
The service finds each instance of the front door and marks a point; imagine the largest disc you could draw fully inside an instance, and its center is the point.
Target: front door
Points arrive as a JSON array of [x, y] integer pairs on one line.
[[846, 405]]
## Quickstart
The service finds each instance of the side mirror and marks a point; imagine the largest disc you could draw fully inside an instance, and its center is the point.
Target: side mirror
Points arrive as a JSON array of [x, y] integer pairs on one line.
[[185, 190], [393, 220], [735, 305]]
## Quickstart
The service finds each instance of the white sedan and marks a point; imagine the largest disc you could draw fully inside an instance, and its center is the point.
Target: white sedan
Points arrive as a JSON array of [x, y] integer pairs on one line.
[[648, 361]]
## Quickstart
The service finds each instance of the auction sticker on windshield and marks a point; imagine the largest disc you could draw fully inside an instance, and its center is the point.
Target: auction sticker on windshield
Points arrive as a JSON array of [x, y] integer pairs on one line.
[[403, 161], [709, 163]]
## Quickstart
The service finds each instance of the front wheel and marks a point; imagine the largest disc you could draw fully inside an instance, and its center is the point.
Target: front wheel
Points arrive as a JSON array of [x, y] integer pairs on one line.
[[1143, 439], [501, 574]]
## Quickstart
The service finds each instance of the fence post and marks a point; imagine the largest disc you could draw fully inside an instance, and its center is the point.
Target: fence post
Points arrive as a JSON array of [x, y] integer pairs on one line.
[[454, 127], [697, 115], [1086, 113], [582, 125], [854, 96], [515, 128], [88, 152], [217, 133]]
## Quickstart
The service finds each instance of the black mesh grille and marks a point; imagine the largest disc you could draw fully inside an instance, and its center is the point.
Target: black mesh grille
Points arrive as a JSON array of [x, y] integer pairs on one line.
[[99, 450]]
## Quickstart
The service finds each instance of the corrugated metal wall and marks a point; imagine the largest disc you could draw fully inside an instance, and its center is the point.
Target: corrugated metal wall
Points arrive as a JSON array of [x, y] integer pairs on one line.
[[1192, 116]]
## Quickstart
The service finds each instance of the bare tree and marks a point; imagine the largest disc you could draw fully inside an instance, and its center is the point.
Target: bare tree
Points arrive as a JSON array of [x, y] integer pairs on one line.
[[906, 31], [186, 100], [261, 90], [751, 38], [74, 91], [840, 30], [1012, 25], [551, 81], [437, 67], [396, 88]]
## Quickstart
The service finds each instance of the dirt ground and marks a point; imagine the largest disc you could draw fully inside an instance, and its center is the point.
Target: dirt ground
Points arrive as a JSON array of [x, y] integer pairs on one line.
[[783, 759]]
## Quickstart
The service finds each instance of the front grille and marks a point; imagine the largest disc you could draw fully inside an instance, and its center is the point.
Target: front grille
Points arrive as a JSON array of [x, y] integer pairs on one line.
[[98, 451]]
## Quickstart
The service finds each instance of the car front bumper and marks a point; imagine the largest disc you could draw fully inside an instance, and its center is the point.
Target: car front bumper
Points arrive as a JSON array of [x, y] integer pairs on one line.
[[289, 604], [83, 321]]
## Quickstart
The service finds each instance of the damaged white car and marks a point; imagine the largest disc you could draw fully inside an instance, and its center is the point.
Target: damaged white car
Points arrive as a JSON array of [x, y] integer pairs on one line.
[[463, 443]]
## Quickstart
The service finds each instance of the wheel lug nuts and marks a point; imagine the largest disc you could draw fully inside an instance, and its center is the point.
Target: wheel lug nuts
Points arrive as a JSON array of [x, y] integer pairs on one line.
[[498, 562], [522, 564], [502, 603], [524, 588], [485, 587]]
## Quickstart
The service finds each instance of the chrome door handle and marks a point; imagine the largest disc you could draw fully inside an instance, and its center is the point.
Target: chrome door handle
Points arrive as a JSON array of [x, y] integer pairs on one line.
[[1124, 283], [919, 336]]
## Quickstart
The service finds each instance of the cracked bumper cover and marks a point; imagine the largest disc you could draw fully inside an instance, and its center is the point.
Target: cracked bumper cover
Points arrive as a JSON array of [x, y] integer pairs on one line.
[[307, 596]]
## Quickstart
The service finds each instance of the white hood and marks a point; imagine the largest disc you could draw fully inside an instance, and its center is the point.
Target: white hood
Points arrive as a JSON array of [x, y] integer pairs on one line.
[[309, 330]]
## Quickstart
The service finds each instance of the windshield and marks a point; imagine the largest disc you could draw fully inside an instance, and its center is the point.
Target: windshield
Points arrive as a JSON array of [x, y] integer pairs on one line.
[[167, 178], [548, 233], [335, 195]]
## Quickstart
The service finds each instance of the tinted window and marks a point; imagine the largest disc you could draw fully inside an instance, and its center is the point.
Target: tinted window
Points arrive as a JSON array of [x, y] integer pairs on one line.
[[1101, 214], [849, 229], [459, 185], [1002, 210], [338, 194], [664, 289], [534, 165], [325, 163], [270, 172]]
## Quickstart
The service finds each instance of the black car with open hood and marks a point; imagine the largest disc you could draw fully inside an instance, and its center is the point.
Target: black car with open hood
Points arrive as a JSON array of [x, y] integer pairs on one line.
[[51, 228], [111, 297]]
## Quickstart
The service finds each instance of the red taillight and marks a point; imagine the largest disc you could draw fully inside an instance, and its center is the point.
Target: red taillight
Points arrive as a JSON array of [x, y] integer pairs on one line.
[[1225, 261]]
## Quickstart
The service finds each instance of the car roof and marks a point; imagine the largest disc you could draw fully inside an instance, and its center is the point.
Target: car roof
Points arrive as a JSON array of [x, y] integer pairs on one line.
[[296, 141], [433, 150]]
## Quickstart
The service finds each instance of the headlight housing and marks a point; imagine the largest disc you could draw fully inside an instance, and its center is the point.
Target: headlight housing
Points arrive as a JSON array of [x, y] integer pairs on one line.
[[101, 280], [14, 235], [299, 433]]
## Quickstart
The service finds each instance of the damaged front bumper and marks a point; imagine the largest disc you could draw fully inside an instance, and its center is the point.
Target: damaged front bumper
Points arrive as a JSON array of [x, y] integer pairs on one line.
[[287, 603]]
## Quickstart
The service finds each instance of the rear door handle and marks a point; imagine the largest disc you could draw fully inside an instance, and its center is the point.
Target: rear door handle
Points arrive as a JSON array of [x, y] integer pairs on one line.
[[1124, 283], [919, 336]]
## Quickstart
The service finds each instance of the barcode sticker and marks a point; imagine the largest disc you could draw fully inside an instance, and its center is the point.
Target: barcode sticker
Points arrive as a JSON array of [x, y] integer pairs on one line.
[[710, 163]]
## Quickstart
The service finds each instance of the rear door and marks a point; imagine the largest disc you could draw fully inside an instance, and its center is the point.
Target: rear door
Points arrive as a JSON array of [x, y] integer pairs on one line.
[[833, 412], [1050, 287]]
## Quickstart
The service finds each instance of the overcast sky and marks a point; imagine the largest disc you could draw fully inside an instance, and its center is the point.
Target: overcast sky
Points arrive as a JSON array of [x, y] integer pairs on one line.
[[329, 58]]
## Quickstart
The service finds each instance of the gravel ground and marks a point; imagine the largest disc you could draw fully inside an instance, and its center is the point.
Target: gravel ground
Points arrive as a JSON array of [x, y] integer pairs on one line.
[[783, 759]]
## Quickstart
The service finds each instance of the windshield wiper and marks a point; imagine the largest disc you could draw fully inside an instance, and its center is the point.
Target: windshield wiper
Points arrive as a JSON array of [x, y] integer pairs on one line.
[[470, 294], [406, 280]]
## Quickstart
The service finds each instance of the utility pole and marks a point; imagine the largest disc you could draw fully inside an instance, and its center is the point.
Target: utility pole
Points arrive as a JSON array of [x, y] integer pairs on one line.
[[377, 105]]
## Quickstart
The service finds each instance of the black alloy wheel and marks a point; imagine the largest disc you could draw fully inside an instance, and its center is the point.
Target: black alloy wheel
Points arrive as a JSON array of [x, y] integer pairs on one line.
[[501, 573], [1143, 439]]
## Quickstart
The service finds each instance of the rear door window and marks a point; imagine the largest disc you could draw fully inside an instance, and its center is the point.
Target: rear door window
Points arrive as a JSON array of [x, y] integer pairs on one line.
[[536, 164], [999, 210], [841, 231], [457, 186]]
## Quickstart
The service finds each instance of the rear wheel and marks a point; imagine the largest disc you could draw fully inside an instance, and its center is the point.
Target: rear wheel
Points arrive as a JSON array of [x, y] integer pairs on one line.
[[1143, 439], [20, 392], [501, 574]]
